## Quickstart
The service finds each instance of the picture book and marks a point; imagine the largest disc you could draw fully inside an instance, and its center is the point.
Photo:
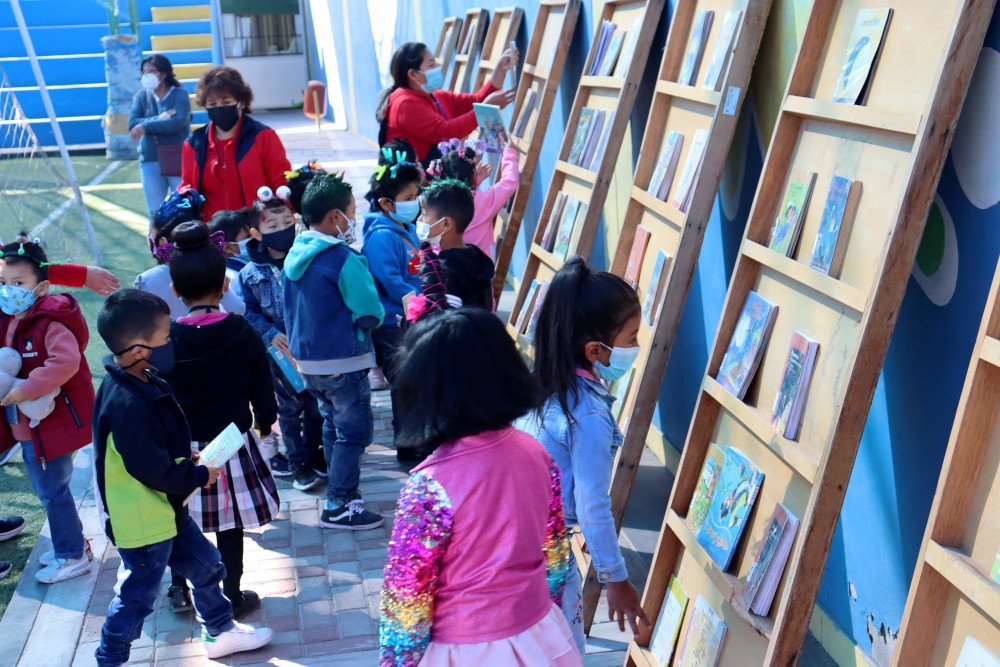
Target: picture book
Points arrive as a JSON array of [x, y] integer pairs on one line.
[[580, 137], [552, 226], [863, 50], [529, 300], [761, 582], [561, 247], [287, 366], [835, 225], [636, 255], [222, 448], [525, 115], [995, 570], [668, 623], [611, 57], [974, 654], [574, 238], [722, 51], [593, 135], [529, 332], [786, 415], [704, 637], [657, 281], [682, 196], [707, 481], [602, 143], [735, 493], [628, 48], [700, 28], [492, 129], [746, 347], [666, 166], [788, 221]]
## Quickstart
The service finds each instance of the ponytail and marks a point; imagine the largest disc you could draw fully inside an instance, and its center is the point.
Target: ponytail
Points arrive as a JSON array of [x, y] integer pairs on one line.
[[408, 56]]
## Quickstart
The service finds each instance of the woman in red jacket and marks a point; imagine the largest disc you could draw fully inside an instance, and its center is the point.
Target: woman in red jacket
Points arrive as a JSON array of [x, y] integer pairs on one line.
[[234, 155], [416, 109]]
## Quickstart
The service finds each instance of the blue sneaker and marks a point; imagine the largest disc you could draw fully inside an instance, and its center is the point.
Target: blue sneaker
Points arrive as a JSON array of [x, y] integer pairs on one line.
[[280, 467]]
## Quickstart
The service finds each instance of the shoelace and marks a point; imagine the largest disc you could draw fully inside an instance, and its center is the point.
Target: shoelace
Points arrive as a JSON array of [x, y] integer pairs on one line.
[[356, 506]]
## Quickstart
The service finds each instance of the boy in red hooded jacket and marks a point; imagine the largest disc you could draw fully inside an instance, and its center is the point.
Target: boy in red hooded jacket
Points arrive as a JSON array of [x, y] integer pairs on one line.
[[50, 334]]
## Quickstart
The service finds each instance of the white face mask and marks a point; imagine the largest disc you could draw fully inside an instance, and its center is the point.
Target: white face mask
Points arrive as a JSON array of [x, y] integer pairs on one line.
[[348, 226], [424, 233], [149, 81]]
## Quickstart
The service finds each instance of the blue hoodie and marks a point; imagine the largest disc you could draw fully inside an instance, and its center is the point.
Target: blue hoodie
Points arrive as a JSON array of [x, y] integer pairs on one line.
[[331, 306], [388, 248]]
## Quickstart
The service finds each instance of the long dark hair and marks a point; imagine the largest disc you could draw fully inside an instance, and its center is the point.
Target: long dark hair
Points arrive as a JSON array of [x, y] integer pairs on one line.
[[408, 56], [580, 306], [163, 66]]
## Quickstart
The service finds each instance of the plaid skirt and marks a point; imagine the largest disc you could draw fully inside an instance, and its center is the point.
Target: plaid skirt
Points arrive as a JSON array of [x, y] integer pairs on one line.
[[245, 495]]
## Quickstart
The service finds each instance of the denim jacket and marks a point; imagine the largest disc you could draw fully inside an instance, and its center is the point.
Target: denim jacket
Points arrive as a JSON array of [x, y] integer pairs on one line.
[[260, 287], [585, 451]]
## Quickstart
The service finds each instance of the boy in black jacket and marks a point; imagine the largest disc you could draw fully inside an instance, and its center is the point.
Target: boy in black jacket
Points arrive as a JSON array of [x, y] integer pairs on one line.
[[144, 472]]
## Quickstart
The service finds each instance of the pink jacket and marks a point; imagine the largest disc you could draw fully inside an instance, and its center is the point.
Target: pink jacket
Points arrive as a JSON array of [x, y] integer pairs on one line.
[[489, 202], [478, 551]]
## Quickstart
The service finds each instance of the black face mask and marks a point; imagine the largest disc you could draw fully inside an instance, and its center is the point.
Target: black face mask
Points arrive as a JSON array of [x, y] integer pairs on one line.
[[225, 118], [161, 358], [281, 240]]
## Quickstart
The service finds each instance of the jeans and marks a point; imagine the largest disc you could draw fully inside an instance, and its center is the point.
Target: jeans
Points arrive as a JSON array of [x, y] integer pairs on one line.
[[571, 606], [387, 342], [345, 401], [230, 545], [51, 485], [190, 555], [154, 185], [299, 418]]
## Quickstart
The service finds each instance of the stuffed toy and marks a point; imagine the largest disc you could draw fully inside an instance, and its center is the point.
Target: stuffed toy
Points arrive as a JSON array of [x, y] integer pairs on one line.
[[36, 409]]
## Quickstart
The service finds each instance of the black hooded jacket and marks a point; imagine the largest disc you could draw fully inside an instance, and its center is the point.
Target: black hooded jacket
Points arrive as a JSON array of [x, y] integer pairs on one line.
[[468, 274]]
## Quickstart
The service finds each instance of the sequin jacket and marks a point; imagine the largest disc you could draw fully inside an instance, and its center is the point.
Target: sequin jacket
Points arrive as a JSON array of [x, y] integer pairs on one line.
[[478, 551]]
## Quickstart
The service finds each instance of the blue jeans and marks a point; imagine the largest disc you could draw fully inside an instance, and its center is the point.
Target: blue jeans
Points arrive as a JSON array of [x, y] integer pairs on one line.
[[388, 341], [299, 418], [154, 185], [345, 401], [51, 485], [190, 555], [572, 607]]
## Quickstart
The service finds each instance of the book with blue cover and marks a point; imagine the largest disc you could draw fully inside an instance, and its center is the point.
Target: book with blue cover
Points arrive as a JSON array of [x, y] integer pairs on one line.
[[732, 501], [746, 347], [287, 366], [835, 225]]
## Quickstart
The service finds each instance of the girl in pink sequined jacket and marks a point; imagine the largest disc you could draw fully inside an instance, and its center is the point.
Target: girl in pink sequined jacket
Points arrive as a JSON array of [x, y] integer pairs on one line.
[[478, 556]]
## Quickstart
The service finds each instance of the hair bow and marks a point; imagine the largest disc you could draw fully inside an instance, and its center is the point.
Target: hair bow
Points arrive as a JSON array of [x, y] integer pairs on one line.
[[478, 146], [435, 169], [289, 175], [218, 239], [164, 252]]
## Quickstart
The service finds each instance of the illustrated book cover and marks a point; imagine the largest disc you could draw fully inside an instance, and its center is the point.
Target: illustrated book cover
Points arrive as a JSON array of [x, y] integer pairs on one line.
[[682, 196], [788, 222], [746, 347], [786, 415], [565, 234], [552, 226], [835, 225], [222, 448], [732, 501], [666, 166], [492, 129], [863, 51], [628, 49], [668, 623], [761, 583], [654, 291], [287, 366], [722, 51], [529, 302], [700, 29], [703, 640], [580, 136], [636, 255], [707, 481]]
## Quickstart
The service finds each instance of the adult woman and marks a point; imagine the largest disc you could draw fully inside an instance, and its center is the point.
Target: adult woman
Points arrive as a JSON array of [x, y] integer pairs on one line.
[[416, 109], [160, 120], [234, 155]]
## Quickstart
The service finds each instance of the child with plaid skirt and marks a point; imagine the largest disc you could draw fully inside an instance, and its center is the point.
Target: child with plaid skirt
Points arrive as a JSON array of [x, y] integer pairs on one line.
[[220, 370]]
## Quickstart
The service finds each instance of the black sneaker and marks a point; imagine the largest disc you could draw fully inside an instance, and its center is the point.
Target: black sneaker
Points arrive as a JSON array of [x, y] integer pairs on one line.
[[179, 599], [280, 467], [5, 568], [10, 526], [247, 603], [350, 516], [305, 478], [8, 453], [318, 463]]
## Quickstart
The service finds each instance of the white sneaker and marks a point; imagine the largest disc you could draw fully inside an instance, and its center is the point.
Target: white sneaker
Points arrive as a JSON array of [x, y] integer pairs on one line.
[[240, 638], [49, 556], [61, 569], [377, 379]]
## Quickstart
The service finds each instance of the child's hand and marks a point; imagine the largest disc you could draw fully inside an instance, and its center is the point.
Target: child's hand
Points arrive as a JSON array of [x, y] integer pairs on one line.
[[500, 98], [508, 59], [101, 281], [195, 455], [280, 341], [624, 601], [15, 395], [136, 132], [483, 171], [213, 474]]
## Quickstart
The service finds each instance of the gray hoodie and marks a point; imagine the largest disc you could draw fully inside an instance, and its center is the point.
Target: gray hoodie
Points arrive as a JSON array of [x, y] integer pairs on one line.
[[157, 281]]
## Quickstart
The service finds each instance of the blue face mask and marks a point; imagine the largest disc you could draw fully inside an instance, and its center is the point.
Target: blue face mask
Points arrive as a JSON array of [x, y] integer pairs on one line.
[[435, 79], [407, 211], [15, 299], [620, 361]]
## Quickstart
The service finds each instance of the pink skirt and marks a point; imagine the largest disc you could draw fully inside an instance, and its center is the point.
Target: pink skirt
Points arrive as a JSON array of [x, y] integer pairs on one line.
[[548, 643]]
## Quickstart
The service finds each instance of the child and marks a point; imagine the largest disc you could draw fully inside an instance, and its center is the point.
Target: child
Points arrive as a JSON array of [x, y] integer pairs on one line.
[[331, 305], [272, 231], [50, 334], [143, 471], [463, 163], [181, 205], [447, 210], [221, 369], [235, 227], [297, 182], [586, 337], [479, 555]]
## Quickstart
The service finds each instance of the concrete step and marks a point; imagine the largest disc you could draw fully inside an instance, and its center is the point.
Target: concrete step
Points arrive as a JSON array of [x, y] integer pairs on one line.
[[181, 41], [181, 13], [86, 39]]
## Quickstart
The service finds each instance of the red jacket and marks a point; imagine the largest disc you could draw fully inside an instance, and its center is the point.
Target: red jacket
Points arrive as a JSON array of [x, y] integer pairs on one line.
[[68, 428], [256, 151], [414, 116]]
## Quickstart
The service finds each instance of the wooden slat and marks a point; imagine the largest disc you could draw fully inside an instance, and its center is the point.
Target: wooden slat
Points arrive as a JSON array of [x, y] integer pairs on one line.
[[691, 93], [964, 575], [670, 214], [609, 82], [546, 257], [579, 173], [852, 114], [989, 351]]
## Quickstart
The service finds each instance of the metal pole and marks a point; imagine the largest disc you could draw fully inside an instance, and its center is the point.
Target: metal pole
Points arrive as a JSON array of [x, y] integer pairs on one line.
[[56, 130]]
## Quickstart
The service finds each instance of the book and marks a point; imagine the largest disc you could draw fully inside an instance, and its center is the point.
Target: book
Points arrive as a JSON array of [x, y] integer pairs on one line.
[[593, 135], [525, 114], [835, 225], [722, 51], [628, 48], [707, 481], [288, 367], [666, 166], [552, 225], [529, 302], [995, 570], [574, 239], [746, 347], [222, 448], [863, 50], [700, 28], [732, 501], [668, 623], [529, 332], [603, 40], [974, 654], [761, 582], [682, 196], [654, 291], [611, 57], [636, 255], [602, 143], [788, 222], [580, 137], [492, 129], [561, 247], [704, 637], [786, 415]]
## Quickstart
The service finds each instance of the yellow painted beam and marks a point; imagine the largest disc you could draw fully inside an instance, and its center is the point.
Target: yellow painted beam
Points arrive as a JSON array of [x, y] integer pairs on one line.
[[191, 70], [179, 42], [182, 13]]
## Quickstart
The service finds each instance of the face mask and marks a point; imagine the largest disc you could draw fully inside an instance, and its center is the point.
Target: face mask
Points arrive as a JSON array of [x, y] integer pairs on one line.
[[161, 358], [225, 118], [619, 362], [424, 233], [435, 79], [407, 211], [281, 240], [15, 299], [347, 235], [149, 81]]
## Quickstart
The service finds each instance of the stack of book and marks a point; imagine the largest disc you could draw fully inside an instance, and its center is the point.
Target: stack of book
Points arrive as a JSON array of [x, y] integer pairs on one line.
[[722, 51], [696, 47], [609, 45], [786, 416], [692, 170], [761, 583], [746, 347], [527, 319], [666, 166], [590, 138], [564, 225]]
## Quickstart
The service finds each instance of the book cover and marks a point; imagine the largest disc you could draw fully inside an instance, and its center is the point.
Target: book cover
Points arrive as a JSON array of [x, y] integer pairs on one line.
[[835, 225], [723, 49], [974, 654], [700, 28], [577, 230], [636, 255], [735, 494], [552, 226], [602, 144], [580, 136], [529, 332], [788, 222], [995, 570], [603, 39], [704, 637], [561, 247], [674, 143], [222, 448], [657, 281], [682, 196], [770, 557], [529, 301], [527, 106], [747, 344], [707, 481], [786, 415], [668, 623], [287, 366], [863, 50], [593, 136], [628, 48], [671, 146], [491, 126], [611, 57]]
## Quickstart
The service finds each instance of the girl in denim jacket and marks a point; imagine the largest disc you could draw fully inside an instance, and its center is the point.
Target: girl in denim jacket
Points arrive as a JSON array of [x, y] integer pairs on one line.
[[586, 339]]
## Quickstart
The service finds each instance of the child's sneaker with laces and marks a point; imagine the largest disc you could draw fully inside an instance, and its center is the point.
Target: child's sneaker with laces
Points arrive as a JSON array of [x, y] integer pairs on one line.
[[306, 478], [61, 569], [48, 556], [349, 516], [280, 467], [239, 638]]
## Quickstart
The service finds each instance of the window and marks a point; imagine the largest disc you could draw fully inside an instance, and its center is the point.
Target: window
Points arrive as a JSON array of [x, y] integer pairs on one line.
[[261, 28]]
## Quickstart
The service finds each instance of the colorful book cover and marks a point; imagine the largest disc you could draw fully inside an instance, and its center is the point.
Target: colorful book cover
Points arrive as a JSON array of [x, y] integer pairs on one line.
[[765, 552], [529, 332], [760, 601], [723, 47], [974, 654], [682, 196], [561, 247], [668, 154], [636, 255], [287, 366], [492, 129], [628, 49], [674, 144], [529, 301], [707, 481], [747, 344], [611, 57], [704, 637], [552, 226], [995, 570], [668, 623], [222, 448], [602, 144], [657, 281], [787, 411], [863, 50], [735, 493], [580, 137], [788, 222], [593, 135], [696, 46], [835, 225]]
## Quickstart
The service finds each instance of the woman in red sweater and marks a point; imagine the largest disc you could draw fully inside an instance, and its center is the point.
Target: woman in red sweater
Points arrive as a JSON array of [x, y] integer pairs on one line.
[[416, 109]]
